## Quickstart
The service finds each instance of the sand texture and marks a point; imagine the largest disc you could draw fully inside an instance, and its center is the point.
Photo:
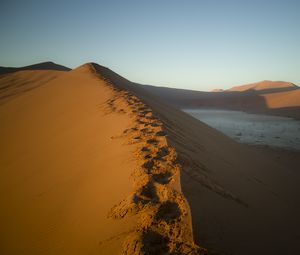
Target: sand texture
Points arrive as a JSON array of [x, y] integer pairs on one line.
[[14, 84]]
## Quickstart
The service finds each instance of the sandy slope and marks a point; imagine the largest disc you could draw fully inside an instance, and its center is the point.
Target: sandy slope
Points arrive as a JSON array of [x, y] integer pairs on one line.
[[61, 171], [15, 84], [86, 169]]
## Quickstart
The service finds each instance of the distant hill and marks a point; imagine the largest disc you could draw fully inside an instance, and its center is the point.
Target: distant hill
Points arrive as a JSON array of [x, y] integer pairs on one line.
[[265, 86], [262, 86], [39, 66]]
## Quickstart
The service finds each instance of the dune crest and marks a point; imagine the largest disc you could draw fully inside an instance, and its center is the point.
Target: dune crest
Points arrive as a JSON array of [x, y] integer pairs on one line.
[[164, 220]]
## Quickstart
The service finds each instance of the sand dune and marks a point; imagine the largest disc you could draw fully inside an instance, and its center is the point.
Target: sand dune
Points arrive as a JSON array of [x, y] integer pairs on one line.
[[96, 164], [39, 66], [86, 169], [265, 85]]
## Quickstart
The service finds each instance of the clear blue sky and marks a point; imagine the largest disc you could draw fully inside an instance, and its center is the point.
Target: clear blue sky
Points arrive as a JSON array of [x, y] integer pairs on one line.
[[201, 45]]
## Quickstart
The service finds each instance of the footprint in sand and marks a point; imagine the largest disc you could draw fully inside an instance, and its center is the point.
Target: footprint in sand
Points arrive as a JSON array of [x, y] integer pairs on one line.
[[162, 178], [168, 211], [146, 194]]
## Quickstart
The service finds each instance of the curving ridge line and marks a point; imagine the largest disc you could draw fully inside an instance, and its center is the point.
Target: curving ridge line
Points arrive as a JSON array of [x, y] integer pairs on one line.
[[164, 218]]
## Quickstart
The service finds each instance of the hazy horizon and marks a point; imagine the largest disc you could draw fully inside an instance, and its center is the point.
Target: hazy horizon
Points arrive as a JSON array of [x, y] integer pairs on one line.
[[200, 45]]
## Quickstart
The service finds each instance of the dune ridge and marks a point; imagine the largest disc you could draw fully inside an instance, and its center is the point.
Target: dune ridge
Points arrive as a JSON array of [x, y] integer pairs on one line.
[[164, 112], [164, 224]]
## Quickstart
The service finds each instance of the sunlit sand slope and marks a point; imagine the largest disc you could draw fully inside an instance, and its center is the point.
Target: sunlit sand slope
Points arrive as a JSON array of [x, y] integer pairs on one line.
[[15, 84], [86, 169], [61, 172]]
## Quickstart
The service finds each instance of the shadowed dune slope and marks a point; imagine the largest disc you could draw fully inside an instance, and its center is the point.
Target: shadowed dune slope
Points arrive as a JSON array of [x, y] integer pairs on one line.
[[241, 201], [40, 66]]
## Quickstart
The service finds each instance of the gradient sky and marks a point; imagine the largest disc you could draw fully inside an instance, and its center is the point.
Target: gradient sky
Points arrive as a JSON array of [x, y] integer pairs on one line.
[[201, 45]]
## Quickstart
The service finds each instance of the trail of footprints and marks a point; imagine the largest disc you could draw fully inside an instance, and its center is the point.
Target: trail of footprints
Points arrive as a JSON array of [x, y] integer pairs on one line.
[[162, 226]]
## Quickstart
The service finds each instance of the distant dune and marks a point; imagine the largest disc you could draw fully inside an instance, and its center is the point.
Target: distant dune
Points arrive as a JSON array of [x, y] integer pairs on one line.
[[39, 66], [16, 80], [93, 163], [267, 97], [265, 85]]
